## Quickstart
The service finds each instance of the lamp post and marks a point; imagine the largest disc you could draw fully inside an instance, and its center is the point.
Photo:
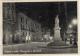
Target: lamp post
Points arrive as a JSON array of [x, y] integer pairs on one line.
[[73, 28], [74, 22], [70, 33]]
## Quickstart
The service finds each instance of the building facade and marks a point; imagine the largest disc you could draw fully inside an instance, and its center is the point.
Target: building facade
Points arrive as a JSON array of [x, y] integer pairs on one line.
[[9, 21], [19, 28], [28, 29]]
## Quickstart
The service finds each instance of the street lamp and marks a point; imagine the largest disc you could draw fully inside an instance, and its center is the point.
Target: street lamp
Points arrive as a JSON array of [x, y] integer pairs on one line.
[[70, 26], [72, 31], [74, 21]]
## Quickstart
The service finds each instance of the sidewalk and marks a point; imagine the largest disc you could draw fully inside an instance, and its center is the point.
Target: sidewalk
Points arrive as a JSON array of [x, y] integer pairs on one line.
[[37, 47], [27, 43]]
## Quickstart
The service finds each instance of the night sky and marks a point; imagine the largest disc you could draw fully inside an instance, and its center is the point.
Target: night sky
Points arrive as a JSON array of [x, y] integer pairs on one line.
[[45, 12]]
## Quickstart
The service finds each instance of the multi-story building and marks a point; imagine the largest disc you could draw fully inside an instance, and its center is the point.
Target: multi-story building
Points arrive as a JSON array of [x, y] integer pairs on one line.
[[9, 22], [18, 27], [28, 29]]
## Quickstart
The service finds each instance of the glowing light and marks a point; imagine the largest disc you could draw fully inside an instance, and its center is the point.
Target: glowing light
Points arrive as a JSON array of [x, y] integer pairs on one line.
[[74, 21], [70, 35], [70, 26]]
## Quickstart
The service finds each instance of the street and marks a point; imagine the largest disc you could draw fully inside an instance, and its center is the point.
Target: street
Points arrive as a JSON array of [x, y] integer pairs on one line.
[[35, 48]]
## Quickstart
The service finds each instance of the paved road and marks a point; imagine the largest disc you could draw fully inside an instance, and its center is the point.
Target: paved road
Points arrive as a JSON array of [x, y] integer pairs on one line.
[[35, 47]]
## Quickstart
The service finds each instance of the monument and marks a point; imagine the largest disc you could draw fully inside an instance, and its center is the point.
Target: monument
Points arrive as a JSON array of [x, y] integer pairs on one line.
[[57, 35], [57, 41]]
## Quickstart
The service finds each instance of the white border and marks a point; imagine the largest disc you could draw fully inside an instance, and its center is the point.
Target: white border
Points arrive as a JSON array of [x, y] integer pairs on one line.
[[78, 16], [36, 0]]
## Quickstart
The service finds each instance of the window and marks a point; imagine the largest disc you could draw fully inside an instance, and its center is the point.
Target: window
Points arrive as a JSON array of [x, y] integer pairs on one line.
[[26, 21], [22, 26], [26, 33], [21, 19], [23, 33], [5, 12]]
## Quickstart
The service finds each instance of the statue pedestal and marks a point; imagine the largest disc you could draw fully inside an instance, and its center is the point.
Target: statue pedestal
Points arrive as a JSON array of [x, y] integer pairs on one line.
[[57, 43], [57, 35]]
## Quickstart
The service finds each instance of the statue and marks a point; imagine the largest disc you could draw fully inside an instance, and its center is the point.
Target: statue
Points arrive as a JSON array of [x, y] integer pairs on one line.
[[57, 36], [57, 41]]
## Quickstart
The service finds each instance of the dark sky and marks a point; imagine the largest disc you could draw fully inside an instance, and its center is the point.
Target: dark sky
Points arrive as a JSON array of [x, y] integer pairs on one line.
[[45, 12]]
